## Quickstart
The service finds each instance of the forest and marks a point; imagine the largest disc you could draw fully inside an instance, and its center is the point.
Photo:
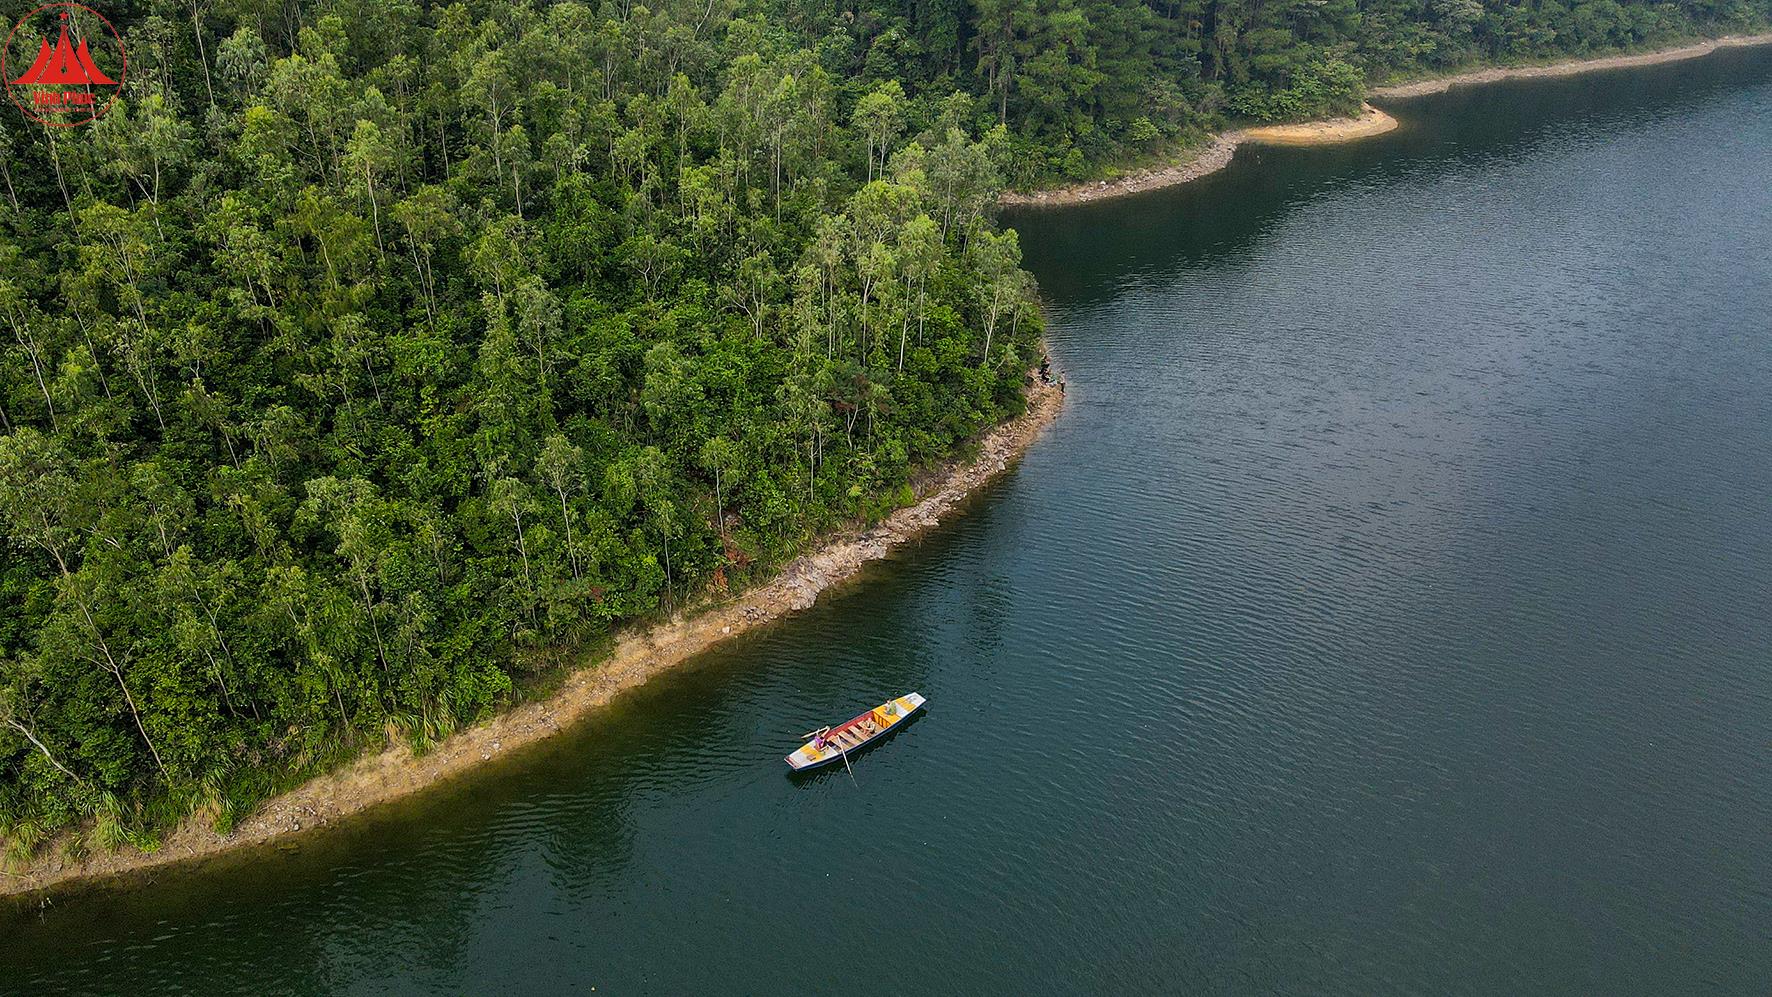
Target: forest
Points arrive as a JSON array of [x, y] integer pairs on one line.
[[368, 363]]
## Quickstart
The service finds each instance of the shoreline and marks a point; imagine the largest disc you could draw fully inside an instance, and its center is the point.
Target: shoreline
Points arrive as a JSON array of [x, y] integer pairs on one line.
[[638, 655], [1217, 154], [1369, 122], [1570, 67]]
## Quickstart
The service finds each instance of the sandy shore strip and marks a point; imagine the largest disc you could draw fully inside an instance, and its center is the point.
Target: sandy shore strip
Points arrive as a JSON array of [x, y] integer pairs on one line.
[[638, 655], [1371, 121], [1214, 157], [1572, 67], [1211, 159]]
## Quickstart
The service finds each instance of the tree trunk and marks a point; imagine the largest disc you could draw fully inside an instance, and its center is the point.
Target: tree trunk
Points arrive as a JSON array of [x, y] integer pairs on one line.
[[381, 651], [15, 725], [374, 209], [523, 552], [29, 344], [11, 195], [566, 519], [202, 54]]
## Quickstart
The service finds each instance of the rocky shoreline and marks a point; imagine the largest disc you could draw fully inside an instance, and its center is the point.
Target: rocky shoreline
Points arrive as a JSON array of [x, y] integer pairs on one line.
[[1573, 67], [638, 655], [1371, 121], [1215, 157]]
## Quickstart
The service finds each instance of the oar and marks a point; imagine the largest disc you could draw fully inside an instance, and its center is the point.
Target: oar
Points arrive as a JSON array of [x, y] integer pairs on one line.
[[846, 768], [822, 731]]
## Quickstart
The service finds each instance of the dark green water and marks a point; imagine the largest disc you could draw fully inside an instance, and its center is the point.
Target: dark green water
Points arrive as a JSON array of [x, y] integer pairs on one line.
[[1390, 612]]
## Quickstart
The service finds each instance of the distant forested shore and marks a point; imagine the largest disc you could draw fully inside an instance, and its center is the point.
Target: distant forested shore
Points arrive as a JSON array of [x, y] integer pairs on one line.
[[368, 361]]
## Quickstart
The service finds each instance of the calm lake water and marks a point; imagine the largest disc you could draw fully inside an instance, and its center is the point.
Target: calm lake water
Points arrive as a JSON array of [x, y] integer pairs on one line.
[[1390, 612]]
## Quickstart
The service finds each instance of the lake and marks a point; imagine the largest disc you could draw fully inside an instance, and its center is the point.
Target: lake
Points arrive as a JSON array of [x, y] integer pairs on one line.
[[1390, 611]]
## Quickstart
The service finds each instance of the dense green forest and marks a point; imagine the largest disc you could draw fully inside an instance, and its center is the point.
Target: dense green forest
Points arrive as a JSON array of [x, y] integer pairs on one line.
[[368, 360]]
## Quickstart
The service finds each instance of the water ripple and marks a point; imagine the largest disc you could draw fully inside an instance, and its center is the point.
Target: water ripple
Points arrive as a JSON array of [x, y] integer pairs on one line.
[[1389, 613]]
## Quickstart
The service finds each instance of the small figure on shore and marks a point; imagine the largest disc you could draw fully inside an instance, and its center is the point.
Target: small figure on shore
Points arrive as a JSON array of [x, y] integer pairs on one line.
[[1045, 369], [1061, 385]]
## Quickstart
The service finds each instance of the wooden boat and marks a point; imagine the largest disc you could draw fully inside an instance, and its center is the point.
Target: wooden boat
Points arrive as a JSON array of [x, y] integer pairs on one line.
[[830, 745]]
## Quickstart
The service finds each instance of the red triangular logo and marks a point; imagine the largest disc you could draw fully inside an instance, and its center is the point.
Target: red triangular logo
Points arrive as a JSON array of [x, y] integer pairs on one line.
[[63, 64], [92, 72], [44, 55]]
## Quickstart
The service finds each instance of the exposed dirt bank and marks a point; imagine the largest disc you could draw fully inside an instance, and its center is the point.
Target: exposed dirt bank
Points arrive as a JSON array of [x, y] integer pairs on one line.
[[1569, 68], [1211, 159], [638, 655], [1372, 121]]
